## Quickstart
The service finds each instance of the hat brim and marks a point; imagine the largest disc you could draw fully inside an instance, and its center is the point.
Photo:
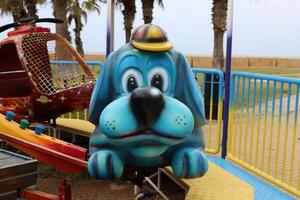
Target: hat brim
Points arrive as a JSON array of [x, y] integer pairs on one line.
[[161, 46]]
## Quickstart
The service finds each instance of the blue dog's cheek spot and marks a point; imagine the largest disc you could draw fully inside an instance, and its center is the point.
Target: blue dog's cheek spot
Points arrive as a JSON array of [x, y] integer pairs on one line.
[[111, 124], [176, 119], [181, 120], [117, 118]]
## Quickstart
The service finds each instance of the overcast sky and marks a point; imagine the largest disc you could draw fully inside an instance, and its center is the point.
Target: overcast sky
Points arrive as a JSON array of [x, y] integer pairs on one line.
[[261, 27]]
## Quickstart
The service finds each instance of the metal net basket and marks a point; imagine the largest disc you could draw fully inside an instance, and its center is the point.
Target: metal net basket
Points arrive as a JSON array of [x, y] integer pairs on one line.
[[39, 49]]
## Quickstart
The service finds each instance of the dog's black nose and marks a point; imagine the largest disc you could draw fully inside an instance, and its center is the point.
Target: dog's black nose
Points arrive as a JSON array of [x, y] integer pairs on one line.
[[147, 104]]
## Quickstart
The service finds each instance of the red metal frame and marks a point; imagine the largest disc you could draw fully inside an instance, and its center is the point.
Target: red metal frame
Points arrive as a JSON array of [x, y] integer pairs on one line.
[[37, 195], [64, 193]]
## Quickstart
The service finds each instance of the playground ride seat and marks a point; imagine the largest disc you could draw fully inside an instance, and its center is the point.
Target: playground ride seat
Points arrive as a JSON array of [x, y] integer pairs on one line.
[[14, 80], [147, 109], [25, 69], [18, 86]]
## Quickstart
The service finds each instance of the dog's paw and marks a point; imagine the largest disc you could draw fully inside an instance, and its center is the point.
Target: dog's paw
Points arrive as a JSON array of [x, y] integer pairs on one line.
[[189, 163], [105, 164]]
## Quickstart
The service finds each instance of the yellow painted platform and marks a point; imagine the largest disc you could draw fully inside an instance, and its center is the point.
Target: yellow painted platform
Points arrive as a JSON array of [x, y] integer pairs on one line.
[[76, 126], [216, 184]]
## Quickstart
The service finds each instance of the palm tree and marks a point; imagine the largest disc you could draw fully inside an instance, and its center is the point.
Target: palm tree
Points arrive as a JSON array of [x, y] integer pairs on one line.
[[147, 6], [19, 8], [60, 11], [77, 12], [5, 7], [129, 10], [219, 15], [13, 7], [31, 7]]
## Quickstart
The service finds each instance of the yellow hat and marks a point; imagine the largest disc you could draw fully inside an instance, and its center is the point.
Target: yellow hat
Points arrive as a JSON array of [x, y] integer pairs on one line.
[[150, 37]]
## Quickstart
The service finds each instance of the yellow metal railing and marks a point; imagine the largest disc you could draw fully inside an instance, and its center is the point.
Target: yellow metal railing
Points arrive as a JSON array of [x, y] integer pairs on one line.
[[211, 82], [263, 121]]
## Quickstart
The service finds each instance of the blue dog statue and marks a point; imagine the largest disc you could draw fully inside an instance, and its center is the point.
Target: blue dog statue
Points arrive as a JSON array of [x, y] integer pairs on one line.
[[148, 110]]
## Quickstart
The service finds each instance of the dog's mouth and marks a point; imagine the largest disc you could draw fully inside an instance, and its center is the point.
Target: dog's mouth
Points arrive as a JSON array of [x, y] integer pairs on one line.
[[146, 132]]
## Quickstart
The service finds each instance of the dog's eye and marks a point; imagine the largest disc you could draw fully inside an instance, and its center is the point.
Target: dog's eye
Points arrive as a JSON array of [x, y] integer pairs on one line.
[[158, 77], [131, 84], [131, 79], [157, 81]]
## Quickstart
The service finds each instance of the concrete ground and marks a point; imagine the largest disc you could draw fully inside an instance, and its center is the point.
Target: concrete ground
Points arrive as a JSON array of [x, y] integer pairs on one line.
[[83, 187]]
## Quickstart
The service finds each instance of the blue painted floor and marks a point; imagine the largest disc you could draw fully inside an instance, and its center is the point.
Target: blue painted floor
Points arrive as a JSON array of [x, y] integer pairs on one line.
[[262, 190]]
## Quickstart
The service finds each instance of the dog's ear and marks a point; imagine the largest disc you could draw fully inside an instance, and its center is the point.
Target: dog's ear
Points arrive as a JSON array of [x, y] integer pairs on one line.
[[103, 92], [187, 89]]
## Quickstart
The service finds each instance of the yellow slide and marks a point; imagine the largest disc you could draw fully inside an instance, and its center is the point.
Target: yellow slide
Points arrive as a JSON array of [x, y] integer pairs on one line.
[[59, 154]]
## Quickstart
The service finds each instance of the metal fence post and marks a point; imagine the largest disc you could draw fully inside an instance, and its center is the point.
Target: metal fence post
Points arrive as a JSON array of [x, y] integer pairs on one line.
[[227, 77]]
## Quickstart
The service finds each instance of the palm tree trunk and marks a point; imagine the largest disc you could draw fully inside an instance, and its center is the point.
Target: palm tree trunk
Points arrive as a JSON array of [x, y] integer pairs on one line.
[[16, 9], [129, 15], [60, 11], [147, 6], [219, 15], [218, 54], [15, 18], [78, 41], [31, 7]]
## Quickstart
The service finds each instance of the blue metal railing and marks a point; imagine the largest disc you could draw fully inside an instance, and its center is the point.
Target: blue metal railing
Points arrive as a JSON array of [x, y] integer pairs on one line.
[[95, 66]]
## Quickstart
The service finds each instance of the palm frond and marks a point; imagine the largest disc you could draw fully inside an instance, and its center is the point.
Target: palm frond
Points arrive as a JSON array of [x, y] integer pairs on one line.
[[84, 16], [70, 18], [91, 5], [5, 7], [41, 1], [119, 4], [161, 3]]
